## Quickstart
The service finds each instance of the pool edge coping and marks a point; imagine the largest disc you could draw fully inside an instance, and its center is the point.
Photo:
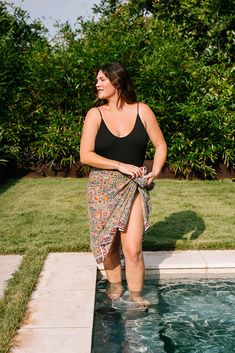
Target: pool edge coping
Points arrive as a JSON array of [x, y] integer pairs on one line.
[[183, 262]]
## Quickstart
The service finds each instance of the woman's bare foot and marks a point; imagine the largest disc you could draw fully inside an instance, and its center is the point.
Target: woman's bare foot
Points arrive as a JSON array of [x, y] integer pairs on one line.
[[142, 303], [114, 290]]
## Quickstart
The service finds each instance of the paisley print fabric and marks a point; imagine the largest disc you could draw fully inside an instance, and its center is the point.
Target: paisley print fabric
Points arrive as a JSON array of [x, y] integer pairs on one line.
[[110, 198]]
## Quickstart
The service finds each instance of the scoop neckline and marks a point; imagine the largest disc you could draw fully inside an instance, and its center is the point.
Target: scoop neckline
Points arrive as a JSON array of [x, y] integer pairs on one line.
[[121, 137]]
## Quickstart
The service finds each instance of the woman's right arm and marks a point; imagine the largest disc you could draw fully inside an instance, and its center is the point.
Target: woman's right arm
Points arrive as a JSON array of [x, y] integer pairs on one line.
[[87, 146]]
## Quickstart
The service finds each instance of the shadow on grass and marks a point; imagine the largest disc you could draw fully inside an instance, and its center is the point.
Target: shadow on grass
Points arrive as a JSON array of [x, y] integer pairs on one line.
[[184, 225], [8, 184]]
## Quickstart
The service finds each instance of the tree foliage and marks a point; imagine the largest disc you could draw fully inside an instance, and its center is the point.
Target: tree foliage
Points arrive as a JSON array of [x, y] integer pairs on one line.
[[180, 54]]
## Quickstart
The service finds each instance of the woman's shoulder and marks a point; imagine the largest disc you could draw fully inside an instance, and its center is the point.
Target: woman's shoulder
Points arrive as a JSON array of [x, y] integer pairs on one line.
[[144, 109], [147, 115], [93, 113]]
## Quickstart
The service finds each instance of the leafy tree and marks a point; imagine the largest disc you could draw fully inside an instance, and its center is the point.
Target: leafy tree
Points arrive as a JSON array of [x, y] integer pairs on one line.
[[16, 40], [180, 54]]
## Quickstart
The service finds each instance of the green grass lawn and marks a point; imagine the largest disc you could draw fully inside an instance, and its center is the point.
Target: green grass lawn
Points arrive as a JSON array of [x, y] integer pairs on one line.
[[44, 212], [52, 212], [49, 214]]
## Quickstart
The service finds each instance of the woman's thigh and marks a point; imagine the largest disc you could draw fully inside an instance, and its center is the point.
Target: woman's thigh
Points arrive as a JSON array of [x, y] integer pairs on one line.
[[132, 237]]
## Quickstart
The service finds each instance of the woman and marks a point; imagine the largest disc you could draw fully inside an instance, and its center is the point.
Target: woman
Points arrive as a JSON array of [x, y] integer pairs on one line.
[[113, 143]]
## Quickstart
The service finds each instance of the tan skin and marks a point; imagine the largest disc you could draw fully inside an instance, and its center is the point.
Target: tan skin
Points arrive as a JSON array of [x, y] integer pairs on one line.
[[120, 121]]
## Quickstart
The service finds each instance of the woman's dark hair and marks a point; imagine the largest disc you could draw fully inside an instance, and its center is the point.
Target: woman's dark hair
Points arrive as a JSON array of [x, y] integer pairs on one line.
[[120, 79]]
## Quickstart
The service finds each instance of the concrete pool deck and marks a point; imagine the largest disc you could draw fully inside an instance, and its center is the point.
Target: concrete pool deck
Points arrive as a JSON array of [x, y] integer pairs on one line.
[[59, 316]]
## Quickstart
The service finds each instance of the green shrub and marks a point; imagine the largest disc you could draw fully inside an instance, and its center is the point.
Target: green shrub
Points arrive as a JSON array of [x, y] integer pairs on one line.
[[178, 52]]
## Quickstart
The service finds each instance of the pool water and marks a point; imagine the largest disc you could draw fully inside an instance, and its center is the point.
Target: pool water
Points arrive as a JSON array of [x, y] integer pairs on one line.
[[186, 316]]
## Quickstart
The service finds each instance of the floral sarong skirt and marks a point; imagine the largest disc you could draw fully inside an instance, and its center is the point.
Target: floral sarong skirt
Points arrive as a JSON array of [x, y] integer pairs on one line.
[[110, 198]]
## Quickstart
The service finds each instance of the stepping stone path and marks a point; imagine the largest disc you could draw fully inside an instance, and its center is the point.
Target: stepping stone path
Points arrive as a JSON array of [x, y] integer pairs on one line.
[[59, 316], [8, 265]]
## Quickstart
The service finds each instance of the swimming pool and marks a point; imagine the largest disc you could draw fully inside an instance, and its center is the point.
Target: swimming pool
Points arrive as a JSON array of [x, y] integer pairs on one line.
[[186, 316]]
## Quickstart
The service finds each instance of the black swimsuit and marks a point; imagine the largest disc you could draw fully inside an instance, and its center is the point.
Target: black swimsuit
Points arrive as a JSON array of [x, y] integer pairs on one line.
[[129, 149]]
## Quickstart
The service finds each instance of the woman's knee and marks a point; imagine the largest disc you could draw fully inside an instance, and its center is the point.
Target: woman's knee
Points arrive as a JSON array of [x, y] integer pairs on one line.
[[133, 255]]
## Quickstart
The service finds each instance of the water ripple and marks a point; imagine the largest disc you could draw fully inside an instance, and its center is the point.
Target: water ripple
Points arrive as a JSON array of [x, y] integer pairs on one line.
[[185, 317]]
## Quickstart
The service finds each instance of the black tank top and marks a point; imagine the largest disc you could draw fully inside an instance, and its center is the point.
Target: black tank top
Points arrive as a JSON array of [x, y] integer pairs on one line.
[[129, 149]]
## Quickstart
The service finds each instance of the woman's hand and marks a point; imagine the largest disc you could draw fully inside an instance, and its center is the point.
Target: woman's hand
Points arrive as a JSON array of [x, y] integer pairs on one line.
[[150, 177], [129, 169]]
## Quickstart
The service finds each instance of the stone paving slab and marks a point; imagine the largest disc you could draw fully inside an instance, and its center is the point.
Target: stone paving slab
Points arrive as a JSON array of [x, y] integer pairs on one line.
[[201, 262], [69, 259], [8, 265], [59, 316], [64, 279], [219, 258], [219, 261], [174, 260], [74, 308], [56, 340]]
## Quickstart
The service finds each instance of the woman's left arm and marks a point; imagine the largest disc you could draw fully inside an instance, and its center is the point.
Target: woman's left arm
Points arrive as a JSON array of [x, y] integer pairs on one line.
[[157, 139]]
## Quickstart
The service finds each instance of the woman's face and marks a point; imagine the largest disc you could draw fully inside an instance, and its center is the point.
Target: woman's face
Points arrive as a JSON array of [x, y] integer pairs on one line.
[[104, 87]]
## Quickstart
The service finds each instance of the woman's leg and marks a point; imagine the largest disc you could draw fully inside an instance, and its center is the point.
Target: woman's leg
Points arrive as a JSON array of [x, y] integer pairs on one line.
[[132, 248], [112, 265]]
